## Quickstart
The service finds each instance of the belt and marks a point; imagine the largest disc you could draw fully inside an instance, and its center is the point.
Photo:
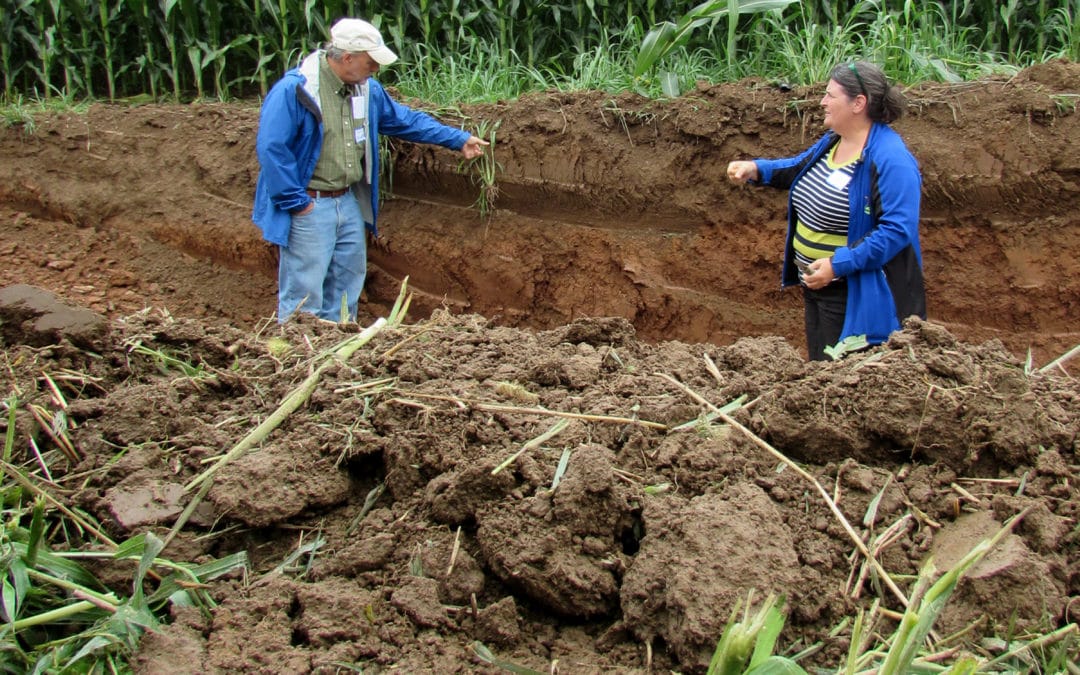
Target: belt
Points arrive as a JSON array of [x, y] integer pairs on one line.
[[329, 194]]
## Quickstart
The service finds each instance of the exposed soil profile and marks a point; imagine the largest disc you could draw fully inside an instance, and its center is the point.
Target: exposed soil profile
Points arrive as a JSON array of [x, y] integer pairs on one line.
[[621, 287]]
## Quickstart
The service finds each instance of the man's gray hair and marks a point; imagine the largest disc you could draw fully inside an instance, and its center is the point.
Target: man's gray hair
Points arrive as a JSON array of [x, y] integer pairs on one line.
[[334, 53]]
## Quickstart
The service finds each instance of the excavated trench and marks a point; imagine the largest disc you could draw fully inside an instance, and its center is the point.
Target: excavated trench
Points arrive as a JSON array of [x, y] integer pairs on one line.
[[609, 206], [606, 206]]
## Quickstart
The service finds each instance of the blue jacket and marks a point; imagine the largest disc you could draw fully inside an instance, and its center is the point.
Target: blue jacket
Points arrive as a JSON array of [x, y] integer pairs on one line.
[[290, 138], [882, 261]]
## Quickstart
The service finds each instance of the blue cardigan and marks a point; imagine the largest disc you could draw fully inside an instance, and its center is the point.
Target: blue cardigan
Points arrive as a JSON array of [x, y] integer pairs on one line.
[[882, 261], [290, 138]]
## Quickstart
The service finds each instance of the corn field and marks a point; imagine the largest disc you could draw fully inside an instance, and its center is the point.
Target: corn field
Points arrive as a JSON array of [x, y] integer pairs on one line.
[[189, 49]]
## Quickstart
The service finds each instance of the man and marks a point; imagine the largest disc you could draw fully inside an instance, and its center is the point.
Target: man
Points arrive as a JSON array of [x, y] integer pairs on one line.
[[318, 185]]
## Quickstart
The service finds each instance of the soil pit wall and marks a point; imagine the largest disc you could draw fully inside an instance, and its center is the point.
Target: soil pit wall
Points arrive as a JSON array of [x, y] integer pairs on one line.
[[607, 206]]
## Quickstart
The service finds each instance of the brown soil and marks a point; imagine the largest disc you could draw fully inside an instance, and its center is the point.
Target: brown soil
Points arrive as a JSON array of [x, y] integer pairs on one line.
[[617, 270]]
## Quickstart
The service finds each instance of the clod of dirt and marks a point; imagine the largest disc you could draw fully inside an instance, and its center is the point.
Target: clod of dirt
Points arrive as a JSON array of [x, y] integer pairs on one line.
[[1010, 584], [699, 556], [561, 548], [979, 410], [139, 506], [292, 480], [33, 316]]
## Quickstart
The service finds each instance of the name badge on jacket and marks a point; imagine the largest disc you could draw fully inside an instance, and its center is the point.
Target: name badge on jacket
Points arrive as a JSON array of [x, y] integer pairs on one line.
[[359, 113]]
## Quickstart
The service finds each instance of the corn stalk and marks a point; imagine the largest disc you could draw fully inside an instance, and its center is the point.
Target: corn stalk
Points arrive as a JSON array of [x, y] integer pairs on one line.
[[138, 47]]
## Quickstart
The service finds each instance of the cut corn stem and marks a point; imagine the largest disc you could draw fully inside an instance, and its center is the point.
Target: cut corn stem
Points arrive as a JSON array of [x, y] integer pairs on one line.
[[292, 402], [555, 430], [57, 614], [20, 478]]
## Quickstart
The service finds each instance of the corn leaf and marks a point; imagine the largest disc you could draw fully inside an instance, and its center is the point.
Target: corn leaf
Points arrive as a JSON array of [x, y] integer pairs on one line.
[[9, 602], [772, 624], [924, 609], [153, 546], [776, 665], [965, 666], [748, 644], [59, 567], [171, 589], [561, 469], [37, 530], [667, 36], [851, 343]]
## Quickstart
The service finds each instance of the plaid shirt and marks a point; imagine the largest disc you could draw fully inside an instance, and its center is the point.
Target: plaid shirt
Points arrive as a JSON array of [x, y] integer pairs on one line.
[[341, 162]]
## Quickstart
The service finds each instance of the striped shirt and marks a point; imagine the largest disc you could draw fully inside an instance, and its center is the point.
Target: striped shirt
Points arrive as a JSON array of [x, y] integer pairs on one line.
[[821, 209]]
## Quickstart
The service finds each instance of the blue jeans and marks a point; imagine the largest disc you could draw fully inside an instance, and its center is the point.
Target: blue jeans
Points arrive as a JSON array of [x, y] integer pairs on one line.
[[326, 259]]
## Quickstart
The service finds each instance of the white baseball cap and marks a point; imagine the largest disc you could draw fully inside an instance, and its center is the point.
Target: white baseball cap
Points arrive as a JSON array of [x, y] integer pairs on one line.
[[355, 35]]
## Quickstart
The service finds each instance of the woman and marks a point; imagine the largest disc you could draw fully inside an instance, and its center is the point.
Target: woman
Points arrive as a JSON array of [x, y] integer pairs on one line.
[[853, 214]]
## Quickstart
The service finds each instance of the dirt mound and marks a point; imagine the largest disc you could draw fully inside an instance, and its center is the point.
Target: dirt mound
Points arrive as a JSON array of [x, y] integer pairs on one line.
[[619, 293], [561, 496]]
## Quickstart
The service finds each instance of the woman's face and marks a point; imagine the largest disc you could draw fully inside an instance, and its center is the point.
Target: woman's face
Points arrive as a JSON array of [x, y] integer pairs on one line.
[[840, 109]]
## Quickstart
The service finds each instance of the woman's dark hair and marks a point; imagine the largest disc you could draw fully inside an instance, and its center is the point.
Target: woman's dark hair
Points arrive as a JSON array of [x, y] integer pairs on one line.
[[884, 102]]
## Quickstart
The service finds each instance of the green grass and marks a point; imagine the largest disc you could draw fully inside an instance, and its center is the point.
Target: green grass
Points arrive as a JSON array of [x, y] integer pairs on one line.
[[56, 615], [20, 111]]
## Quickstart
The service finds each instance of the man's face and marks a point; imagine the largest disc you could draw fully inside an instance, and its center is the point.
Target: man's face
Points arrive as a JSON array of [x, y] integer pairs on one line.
[[357, 67]]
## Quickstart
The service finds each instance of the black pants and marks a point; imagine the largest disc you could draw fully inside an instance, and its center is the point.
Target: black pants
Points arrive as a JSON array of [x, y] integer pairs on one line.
[[825, 310]]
